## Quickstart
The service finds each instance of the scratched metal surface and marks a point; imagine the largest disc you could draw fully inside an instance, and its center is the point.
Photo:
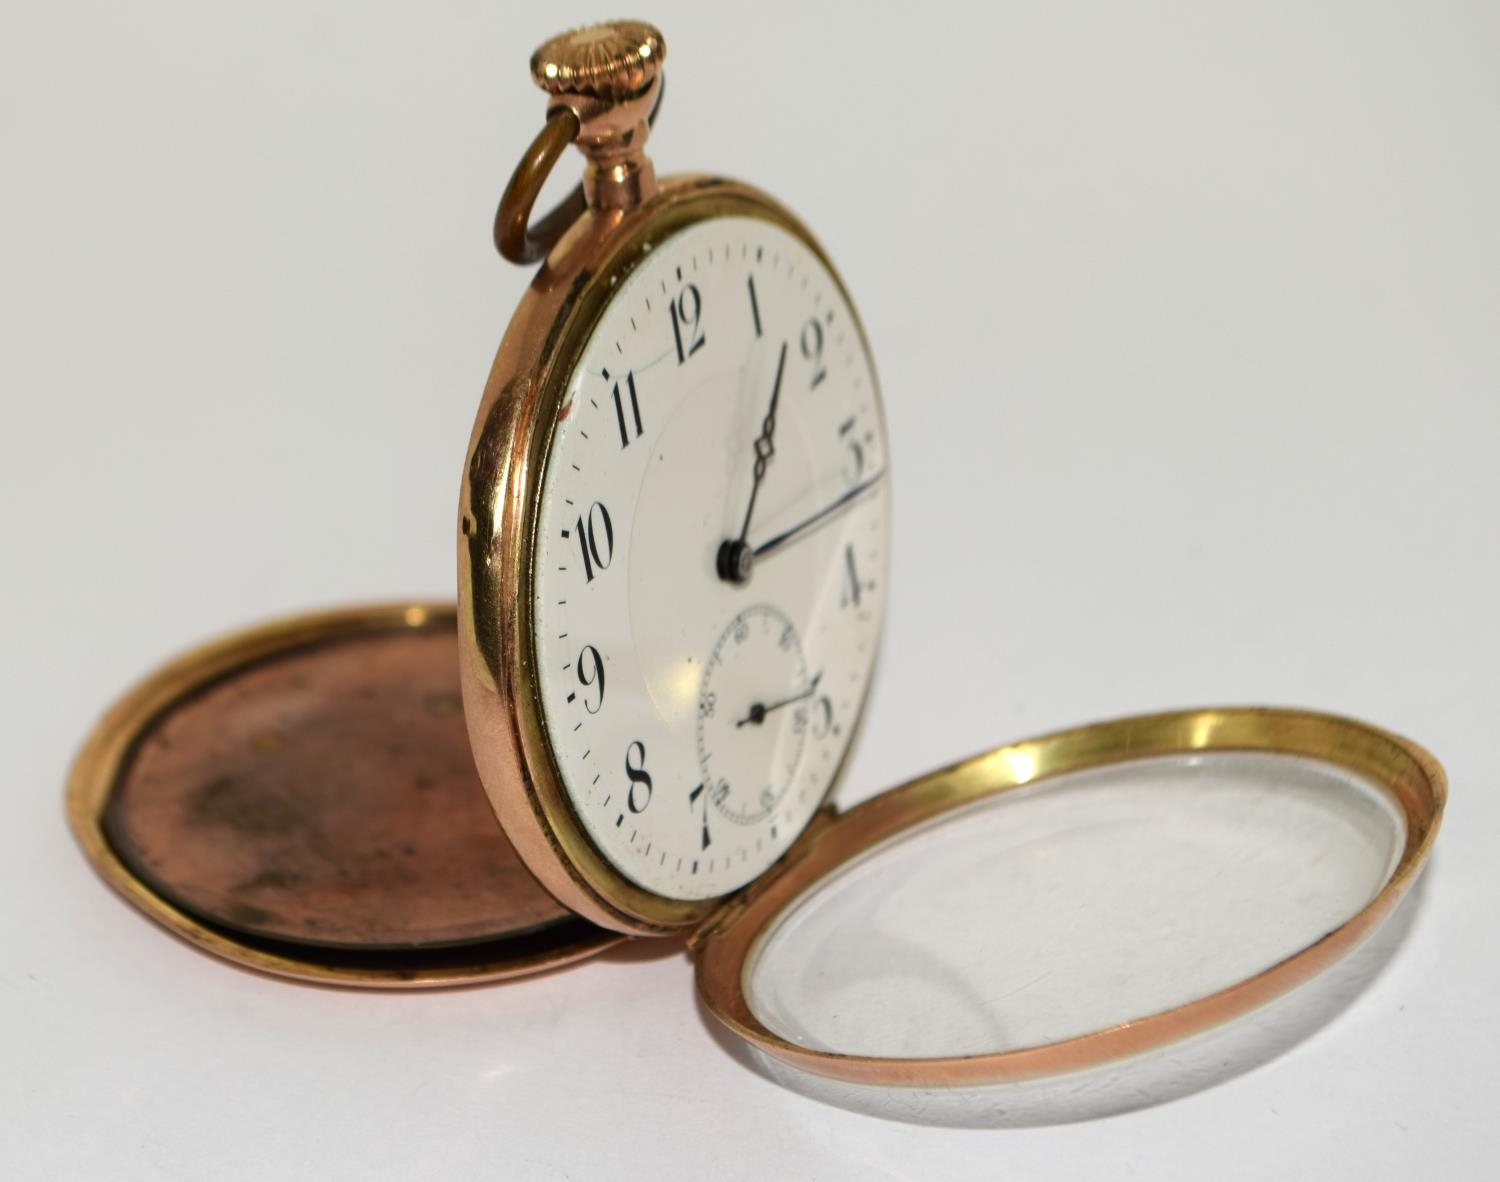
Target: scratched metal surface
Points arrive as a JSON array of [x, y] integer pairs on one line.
[[327, 796]]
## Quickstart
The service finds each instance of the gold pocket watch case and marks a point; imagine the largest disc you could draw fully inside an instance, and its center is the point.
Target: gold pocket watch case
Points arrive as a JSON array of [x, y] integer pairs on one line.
[[300, 799], [672, 570]]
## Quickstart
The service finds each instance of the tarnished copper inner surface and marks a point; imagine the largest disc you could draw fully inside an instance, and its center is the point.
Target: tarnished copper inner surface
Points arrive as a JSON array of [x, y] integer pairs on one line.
[[326, 796]]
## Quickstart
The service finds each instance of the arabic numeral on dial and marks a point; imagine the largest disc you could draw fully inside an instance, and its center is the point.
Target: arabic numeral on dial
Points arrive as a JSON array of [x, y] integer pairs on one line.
[[596, 538], [693, 798], [854, 587], [687, 310], [590, 670], [822, 723], [812, 350], [639, 795], [634, 417], [856, 449]]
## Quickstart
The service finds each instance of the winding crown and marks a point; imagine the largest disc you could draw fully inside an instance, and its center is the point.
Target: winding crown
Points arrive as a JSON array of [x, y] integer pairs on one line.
[[612, 62]]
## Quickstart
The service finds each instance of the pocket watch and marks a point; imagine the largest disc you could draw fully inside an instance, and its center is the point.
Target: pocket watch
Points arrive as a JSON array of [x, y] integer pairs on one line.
[[673, 562], [674, 518]]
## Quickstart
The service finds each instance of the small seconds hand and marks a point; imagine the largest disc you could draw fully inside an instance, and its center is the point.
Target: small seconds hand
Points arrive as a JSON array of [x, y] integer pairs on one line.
[[759, 710]]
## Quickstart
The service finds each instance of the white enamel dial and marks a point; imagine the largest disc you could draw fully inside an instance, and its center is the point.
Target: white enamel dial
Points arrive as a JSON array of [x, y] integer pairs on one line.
[[701, 679]]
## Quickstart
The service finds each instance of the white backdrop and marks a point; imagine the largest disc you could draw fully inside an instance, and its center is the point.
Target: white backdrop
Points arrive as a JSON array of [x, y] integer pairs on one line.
[[1187, 320]]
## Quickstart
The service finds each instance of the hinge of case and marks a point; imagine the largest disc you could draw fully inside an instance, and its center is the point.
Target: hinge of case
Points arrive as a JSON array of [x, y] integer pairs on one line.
[[733, 906]]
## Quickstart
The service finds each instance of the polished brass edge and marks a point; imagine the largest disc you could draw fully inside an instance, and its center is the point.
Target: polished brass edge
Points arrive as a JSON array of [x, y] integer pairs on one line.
[[1410, 776]]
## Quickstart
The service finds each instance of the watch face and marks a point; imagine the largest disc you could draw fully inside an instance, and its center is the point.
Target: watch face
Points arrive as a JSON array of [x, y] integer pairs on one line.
[[709, 566]]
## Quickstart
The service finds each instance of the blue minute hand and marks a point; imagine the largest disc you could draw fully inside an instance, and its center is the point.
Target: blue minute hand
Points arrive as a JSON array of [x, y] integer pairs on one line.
[[821, 517]]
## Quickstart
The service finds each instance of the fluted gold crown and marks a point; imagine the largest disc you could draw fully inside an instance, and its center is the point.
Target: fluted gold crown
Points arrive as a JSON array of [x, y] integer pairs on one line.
[[613, 61]]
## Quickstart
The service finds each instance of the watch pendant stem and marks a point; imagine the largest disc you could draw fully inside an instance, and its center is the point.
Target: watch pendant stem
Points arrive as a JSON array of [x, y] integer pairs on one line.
[[606, 84]]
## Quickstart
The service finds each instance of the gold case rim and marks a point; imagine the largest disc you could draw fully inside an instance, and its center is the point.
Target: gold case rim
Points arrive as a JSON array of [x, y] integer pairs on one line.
[[1410, 775], [499, 504], [106, 753]]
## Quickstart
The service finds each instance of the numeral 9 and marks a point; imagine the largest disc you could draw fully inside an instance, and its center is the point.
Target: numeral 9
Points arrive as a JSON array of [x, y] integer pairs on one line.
[[590, 669]]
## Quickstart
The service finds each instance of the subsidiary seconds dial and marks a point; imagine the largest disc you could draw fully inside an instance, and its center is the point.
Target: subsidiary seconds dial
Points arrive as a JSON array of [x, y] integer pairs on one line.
[[710, 557], [742, 729]]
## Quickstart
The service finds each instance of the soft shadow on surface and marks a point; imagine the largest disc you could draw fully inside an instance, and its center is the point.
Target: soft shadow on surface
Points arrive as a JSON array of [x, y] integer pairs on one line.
[[1181, 1069], [643, 948]]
